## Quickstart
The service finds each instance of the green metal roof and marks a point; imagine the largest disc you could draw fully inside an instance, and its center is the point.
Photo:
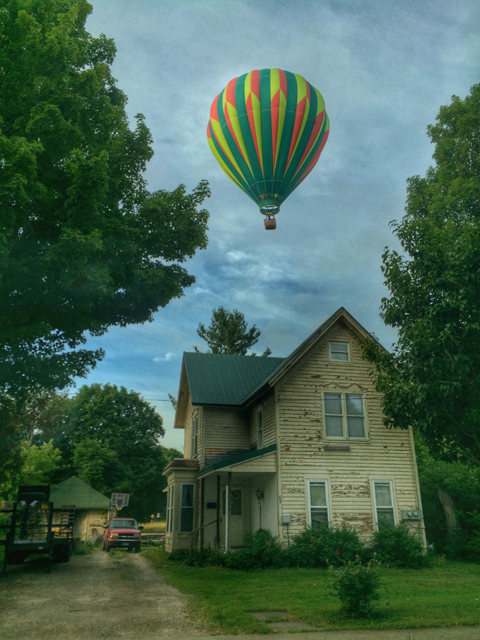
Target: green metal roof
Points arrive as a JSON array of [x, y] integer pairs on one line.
[[222, 379], [75, 491], [249, 455]]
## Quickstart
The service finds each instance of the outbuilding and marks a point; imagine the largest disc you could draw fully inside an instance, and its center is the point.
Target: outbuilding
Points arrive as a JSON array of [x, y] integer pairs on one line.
[[92, 508]]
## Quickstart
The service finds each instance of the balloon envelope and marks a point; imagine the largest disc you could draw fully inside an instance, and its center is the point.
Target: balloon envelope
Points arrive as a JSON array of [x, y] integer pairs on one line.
[[267, 129]]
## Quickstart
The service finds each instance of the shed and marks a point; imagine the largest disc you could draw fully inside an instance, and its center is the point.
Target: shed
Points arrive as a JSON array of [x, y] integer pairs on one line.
[[92, 507]]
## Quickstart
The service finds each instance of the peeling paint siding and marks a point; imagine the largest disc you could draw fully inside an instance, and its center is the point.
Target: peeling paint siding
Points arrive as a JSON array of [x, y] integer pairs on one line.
[[384, 455], [226, 429]]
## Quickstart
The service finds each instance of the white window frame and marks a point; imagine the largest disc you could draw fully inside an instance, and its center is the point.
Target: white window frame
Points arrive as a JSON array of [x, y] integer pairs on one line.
[[323, 481], [331, 351], [183, 484], [343, 399], [195, 436], [374, 498], [259, 424], [170, 497]]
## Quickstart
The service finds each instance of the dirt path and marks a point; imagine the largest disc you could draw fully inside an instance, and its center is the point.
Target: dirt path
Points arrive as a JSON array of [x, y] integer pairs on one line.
[[96, 597]]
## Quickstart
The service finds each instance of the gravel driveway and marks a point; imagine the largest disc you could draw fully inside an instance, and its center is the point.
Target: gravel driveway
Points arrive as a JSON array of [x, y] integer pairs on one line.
[[95, 597]]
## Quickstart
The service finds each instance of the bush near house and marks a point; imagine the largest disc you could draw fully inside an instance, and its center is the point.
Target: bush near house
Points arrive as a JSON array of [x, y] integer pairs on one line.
[[314, 548], [357, 586]]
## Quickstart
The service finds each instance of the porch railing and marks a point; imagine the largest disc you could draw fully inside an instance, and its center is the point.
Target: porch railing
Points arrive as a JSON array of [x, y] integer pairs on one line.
[[194, 534]]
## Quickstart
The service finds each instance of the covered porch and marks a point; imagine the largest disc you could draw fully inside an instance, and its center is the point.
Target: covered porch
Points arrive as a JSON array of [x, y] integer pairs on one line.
[[237, 496]]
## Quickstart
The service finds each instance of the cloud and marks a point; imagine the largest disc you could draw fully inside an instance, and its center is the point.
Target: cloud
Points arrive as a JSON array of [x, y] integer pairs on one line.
[[167, 358]]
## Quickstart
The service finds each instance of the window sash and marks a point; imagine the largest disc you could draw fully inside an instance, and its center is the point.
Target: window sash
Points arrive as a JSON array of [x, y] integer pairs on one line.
[[259, 429], [170, 496], [186, 507], [195, 436], [318, 503], [344, 416], [384, 505], [339, 351]]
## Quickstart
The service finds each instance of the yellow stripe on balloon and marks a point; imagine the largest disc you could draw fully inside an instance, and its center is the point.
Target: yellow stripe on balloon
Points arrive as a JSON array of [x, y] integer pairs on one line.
[[222, 163], [218, 133], [301, 94], [274, 82], [232, 113]]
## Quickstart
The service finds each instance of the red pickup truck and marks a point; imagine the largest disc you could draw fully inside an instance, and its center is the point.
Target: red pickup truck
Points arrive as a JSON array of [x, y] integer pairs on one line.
[[123, 533]]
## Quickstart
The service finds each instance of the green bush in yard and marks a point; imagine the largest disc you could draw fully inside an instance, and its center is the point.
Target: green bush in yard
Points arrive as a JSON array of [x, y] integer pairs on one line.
[[198, 558], [261, 551], [399, 547], [324, 546], [357, 585]]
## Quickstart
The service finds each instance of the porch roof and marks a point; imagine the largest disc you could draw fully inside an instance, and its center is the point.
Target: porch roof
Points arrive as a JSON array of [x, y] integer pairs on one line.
[[244, 457]]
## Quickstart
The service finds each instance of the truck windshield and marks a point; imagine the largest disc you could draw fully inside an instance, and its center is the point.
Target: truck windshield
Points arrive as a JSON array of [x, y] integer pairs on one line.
[[123, 524]]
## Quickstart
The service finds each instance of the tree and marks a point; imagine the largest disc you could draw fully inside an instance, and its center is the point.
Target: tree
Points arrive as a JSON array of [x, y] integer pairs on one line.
[[228, 333], [111, 440], [432, 379], [83, 245]]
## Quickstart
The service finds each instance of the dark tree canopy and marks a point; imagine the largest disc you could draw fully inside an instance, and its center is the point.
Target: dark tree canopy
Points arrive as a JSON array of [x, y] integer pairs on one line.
[[83, 245], [229, 333], [432, 380], [110, 438]]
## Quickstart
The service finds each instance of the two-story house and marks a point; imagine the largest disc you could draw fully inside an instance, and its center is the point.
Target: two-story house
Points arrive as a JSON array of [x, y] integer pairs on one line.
[[281, 443]]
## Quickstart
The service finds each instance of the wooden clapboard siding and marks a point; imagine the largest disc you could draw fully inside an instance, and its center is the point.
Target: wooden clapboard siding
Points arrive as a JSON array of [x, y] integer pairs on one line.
[[190, 413], [384, 455]]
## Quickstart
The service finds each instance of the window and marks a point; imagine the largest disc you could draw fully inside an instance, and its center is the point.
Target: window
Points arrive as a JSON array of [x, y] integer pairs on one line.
[[186, 508], [384, 510], [344, 415], [339, 351], [317, 503], [195, 436], [170, 495], [259, 429]]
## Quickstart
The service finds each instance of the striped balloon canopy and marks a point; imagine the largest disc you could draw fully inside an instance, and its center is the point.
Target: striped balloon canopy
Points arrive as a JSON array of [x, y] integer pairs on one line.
[[267, 129]]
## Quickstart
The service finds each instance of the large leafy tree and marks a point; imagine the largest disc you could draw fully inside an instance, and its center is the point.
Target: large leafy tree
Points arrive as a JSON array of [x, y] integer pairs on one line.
[[229, 333], [83, 245], [432, 379], [110, 438]]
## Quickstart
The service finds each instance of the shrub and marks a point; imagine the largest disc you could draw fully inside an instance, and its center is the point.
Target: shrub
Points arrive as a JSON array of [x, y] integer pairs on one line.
[[200, 558], [399, 547], [324, 546], [261, 551], [357, 586]]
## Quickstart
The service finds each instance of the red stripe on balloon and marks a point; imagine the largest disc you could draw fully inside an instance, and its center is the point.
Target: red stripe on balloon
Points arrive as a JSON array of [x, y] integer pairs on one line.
[[230, 92], [315, 158], [317, 125], [214, 109], [296, 128], [255, 83]]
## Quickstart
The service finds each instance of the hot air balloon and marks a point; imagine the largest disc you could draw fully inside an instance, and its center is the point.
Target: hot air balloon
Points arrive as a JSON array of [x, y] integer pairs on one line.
[[267, 129]]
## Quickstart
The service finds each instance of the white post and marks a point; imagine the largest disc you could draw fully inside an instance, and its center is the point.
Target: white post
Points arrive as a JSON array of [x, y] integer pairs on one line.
[[227, 514]]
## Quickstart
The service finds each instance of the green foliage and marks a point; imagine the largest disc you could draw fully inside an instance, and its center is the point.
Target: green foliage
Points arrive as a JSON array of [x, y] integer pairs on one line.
[[83, 245], [357, 586], [228, 333], [110, 438], [432, 380], [38, 465], [462, 483], [198, 558], [399, 547], [324, 546], [261, 550]]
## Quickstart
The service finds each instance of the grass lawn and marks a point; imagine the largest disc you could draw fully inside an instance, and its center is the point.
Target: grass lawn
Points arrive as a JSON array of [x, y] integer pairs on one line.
[[155, 527], [443, 596]]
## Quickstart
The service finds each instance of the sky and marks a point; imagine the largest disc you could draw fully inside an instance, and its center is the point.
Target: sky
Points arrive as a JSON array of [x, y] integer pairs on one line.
[[384, 68]]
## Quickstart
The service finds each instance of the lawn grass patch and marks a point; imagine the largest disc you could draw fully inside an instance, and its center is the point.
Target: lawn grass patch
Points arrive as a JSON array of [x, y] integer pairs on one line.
[[441, 596]]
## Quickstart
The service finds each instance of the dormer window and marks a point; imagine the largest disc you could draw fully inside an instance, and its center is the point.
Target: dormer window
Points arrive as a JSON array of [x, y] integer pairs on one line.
[[339, 351]]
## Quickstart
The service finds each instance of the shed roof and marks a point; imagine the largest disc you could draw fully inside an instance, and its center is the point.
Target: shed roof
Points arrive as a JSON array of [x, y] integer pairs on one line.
[[75, 491], [222, 379]]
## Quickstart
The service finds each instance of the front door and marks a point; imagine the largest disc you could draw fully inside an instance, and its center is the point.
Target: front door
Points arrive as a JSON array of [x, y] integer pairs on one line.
[[237, 517]]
